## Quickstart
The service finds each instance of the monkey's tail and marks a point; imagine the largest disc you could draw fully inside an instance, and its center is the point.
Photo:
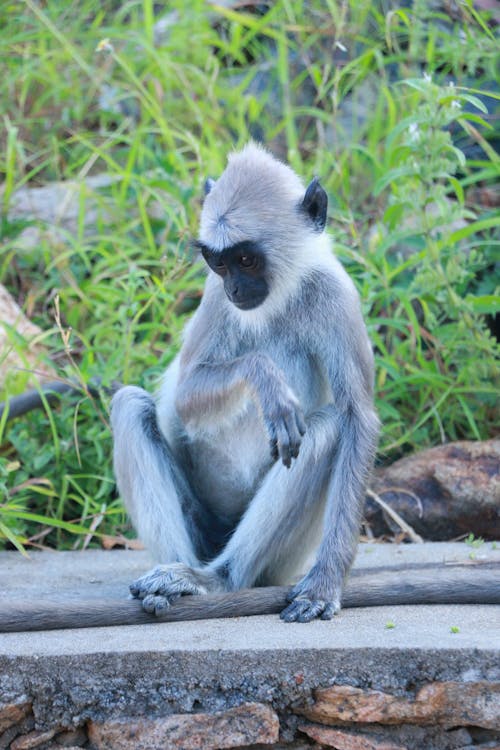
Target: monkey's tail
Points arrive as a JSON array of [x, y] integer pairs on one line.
[[393, 585], [51, 393]]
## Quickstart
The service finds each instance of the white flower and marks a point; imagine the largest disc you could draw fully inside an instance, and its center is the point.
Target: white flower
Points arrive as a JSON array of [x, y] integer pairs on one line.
[[427, 77], [105, 46], [414, 132], [456, 104]]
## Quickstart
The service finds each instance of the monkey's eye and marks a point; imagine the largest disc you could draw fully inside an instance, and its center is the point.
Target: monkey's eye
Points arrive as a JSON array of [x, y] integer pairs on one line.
[[247, 261], [216, 263]]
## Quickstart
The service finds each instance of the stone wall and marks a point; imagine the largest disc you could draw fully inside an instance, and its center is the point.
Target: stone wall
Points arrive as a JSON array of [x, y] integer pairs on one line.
[[439, 715]]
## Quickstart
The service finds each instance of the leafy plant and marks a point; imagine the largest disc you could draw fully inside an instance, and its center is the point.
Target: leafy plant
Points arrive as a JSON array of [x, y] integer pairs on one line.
[[436, 357]]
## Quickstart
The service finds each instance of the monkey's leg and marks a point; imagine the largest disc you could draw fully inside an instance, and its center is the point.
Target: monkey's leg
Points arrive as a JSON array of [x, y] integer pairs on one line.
[[284, 518], [167, 515], [325, 484], [274, 533], [319, 592]]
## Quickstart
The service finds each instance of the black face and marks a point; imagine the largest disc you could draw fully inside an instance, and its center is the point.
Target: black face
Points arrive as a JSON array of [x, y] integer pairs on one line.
[[242, 267]]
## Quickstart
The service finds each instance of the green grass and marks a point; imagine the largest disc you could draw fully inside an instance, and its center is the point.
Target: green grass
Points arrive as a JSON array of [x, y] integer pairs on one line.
[[337, 89]]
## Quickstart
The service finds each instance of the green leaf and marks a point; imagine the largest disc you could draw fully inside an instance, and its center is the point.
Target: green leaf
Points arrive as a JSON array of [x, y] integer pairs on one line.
[[8, 534], [391, 176], [74, 528], [487, 304], [457, 187], [474, 101]]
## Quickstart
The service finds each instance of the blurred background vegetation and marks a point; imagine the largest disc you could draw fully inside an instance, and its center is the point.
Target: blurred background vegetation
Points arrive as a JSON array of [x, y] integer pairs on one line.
[[394, 105]]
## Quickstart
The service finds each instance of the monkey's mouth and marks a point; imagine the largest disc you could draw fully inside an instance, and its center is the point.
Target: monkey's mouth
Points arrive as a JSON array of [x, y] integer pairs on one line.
[[247, 304]]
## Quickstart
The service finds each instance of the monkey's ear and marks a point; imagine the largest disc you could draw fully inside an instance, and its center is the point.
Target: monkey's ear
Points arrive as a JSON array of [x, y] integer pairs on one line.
[[209, 183], [315, 204]]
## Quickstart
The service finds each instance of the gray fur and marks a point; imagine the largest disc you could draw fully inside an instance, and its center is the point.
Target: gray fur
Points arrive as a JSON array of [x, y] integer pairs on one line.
[[198, 476]]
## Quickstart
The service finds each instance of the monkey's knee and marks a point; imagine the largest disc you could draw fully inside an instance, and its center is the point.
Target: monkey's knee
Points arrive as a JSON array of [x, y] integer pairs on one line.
[[133, 413], [130, 400]]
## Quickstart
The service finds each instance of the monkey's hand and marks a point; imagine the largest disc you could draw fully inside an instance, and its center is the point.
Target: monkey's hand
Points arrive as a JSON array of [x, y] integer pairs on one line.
[[284, 422], [160, 587], [309, 600]]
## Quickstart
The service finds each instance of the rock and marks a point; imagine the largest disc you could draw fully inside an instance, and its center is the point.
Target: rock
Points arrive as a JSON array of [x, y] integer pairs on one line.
[[57, 207], [438, 703], [341, 740], [13, 713], [11, 316], [33, 739], [72, 737], [442, 492], [404, 737], [24, 726], [247, 724]]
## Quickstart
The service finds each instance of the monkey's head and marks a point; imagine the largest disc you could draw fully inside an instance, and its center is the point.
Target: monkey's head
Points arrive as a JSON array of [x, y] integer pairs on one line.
[[259, 227]]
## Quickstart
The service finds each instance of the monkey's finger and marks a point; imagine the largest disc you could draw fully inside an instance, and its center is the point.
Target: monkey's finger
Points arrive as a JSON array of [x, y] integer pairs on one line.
[[295, 446], [286, 459], [294, 434], [273, 441], [301, 422], [285, 450]]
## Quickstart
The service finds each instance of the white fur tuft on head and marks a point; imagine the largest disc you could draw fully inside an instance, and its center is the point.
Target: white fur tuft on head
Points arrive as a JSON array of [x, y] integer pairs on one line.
[[250, 199]]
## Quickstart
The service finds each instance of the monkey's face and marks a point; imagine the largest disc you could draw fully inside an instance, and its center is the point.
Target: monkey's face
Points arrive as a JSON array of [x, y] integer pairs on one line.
[[242, 268]]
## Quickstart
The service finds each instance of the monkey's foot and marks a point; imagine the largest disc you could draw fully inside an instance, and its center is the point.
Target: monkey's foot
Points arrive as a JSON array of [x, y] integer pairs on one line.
[[311, 598], [159, 588], [303, 609]]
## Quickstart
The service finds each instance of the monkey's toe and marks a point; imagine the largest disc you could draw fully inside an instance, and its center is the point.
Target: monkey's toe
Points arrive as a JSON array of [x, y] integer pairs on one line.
[[155, 605], [331, 609], [169, 582], [148, 584], [305, 610]]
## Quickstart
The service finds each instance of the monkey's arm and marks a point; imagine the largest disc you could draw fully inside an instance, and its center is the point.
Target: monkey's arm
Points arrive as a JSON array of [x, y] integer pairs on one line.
[[476, 583], [213, 389]]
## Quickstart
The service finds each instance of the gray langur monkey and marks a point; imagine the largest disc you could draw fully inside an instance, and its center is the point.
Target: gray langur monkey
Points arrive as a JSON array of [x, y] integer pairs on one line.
[[257, 449]]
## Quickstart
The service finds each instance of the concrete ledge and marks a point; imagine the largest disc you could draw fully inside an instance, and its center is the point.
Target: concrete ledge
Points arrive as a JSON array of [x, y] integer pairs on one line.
[[98, 675]]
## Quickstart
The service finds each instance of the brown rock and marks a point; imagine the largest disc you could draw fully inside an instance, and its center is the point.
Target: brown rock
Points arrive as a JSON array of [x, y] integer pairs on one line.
[[341, 740], [442, 492], [247, 724], [442, 703], [12, 317], [33, 739], [13, 713], [24, 726], [72, 737]]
